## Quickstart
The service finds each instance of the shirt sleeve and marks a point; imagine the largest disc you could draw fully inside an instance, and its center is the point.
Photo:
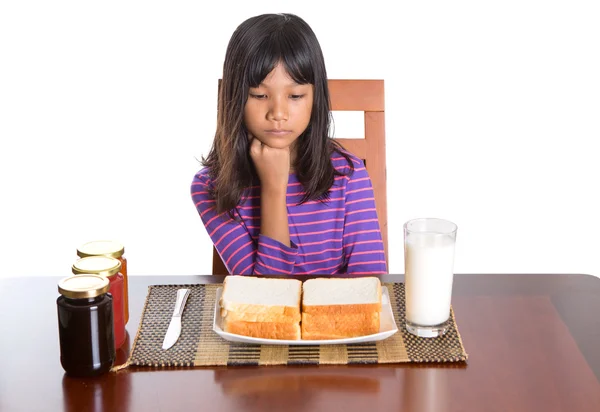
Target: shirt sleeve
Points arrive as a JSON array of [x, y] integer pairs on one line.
[[362, 241], [241, 253]]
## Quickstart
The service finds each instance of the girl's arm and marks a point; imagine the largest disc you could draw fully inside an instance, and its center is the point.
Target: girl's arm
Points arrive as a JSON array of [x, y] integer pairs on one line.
[[241, 253], [274, 215], [362, 241], [273, 169]]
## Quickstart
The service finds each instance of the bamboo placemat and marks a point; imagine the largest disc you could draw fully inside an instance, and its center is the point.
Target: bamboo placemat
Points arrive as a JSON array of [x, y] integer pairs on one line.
[[199, 345]]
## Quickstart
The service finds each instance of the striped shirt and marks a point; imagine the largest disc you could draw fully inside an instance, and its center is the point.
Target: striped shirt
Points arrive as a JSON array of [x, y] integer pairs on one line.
[[338, 236]]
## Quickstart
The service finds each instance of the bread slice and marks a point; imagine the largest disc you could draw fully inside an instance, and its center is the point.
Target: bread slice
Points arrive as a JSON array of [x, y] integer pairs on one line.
[[259, 317], [267, 296], [339, 326], [264, 330], [327, 336], [338, 296]]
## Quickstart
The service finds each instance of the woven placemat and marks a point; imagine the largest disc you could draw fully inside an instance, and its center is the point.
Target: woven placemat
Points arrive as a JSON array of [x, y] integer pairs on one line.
[[199, 345]]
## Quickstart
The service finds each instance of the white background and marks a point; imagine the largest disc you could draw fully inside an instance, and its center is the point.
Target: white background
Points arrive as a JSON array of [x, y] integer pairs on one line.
[[492, 121]]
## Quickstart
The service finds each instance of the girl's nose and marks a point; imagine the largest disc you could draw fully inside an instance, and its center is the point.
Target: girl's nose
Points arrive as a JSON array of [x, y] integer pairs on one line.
[[278, 110]]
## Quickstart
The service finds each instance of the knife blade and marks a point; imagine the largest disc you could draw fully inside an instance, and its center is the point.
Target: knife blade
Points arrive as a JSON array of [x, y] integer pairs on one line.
[[174, 329]]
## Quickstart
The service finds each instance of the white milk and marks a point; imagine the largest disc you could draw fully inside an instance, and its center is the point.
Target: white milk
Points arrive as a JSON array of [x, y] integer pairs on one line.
[[429, 267]]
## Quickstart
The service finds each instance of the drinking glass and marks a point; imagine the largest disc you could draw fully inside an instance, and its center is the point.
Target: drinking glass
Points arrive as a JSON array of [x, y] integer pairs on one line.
[[429, 271]]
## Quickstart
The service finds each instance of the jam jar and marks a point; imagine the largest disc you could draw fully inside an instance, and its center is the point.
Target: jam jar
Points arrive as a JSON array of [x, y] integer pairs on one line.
[[85, 325], [111, 249], [109, 268]]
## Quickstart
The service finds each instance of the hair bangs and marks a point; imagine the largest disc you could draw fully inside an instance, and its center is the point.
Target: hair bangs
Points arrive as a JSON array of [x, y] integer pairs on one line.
[[286, 47], [261, 64]]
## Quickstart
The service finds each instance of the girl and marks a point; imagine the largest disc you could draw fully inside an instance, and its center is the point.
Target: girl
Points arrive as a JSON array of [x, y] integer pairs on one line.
[[277, 195]]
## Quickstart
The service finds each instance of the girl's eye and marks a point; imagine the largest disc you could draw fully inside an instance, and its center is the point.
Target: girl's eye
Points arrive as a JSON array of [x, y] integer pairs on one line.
[[258, 96], [296, 96]]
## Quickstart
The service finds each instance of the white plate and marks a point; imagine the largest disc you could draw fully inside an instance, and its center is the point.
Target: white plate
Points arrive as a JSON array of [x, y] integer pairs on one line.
[[387, 327]]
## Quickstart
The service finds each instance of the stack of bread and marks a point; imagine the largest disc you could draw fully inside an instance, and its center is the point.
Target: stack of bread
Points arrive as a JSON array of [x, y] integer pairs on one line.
[[321, 308], [334, 308], [267, 308]]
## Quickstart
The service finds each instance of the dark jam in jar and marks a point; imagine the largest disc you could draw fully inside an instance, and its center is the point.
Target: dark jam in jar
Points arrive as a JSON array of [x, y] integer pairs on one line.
[[85, 325]]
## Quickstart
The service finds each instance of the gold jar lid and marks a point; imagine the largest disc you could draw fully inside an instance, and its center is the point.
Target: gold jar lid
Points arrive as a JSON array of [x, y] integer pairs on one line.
[[101, 248], [97, 265], [83, 286]]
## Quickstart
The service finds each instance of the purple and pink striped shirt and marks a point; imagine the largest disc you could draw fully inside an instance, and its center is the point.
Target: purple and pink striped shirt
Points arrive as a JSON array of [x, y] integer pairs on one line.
[[338, 236]]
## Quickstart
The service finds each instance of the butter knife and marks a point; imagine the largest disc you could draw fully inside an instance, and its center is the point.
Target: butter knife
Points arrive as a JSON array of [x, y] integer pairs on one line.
[[174, 329]]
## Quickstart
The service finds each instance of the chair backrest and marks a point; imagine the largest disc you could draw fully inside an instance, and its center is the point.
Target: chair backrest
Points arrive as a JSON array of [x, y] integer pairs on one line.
[[365, 96]]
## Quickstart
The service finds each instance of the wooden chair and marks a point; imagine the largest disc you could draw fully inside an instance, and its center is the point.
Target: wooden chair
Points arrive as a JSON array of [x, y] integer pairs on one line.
[[366, 96]]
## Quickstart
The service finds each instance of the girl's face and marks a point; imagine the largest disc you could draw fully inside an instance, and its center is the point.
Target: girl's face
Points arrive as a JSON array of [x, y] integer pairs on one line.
[[278, 110]]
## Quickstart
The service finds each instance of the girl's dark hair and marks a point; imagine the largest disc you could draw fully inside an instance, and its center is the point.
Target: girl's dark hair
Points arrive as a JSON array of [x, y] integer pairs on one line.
[[255, 48]]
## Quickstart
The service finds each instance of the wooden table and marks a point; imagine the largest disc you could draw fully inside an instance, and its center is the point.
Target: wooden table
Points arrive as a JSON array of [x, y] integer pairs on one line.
[[533, 343]]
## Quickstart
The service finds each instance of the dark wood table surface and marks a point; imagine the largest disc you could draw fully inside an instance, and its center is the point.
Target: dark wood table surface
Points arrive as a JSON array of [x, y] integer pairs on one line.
[[533, 342]]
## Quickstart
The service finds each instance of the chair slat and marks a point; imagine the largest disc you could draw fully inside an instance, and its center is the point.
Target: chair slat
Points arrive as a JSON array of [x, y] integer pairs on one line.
[[376, 167], [357, 95]]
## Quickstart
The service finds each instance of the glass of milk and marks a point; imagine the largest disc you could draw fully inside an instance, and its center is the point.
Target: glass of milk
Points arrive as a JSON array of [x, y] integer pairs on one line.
[[429, 272]]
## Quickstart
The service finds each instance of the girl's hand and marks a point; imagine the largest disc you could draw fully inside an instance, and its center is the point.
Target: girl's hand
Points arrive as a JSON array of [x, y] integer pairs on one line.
[[272, 165]]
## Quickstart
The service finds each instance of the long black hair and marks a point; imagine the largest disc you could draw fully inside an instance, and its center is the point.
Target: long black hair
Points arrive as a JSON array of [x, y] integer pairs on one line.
[[255, 48]]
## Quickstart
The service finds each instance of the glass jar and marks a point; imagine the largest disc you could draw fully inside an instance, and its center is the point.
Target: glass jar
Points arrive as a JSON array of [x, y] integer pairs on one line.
[[85, 325], [109, 268], [111, 249]]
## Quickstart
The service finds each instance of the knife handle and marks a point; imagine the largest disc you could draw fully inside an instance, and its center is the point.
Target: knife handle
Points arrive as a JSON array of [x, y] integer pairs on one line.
[[182, 295]]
